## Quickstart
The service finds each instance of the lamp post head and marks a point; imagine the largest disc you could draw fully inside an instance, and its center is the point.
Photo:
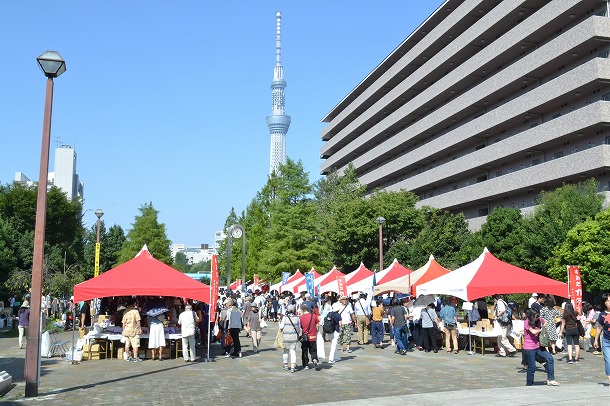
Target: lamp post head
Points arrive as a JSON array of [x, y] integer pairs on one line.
[[380, 220], [52, 64], [99, 213]]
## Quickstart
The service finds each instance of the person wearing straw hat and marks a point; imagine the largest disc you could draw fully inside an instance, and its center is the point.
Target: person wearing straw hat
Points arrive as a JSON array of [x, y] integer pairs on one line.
[[24, 323]]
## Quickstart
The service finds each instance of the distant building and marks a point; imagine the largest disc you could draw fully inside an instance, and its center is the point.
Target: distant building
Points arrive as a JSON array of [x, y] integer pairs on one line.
[[194, 254], [64, 175], [484, 105]]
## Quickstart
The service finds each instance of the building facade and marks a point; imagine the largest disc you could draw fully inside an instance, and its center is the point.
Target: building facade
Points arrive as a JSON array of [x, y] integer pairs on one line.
[[484, 105], [64, 175], [278, 122]]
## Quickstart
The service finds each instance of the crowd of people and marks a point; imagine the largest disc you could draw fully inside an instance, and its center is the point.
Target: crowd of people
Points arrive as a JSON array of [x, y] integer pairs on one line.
[[323, 327], [329, 320]]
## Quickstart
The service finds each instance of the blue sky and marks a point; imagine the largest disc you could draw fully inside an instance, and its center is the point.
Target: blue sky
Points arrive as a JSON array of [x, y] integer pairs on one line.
[[165, 101]]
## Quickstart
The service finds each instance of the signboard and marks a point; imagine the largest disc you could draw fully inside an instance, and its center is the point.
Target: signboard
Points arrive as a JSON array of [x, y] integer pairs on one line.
[[342, 285], [575, 287], [214, 288], [309, 284], [96, 270]]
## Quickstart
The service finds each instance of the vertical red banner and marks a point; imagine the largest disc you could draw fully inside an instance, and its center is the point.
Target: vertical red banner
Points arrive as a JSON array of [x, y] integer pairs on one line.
[[256, 280], [214, 288], [342, 285], [575, 286]]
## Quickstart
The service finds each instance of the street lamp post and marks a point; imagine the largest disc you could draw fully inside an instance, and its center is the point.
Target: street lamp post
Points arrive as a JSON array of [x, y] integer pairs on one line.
[[380, 220], [238, 231], [52, 65], [99, 213]]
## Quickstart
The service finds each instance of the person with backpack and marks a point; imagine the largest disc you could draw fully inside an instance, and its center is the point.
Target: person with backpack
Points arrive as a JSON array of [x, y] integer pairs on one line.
[[330, 327], [503, 315], [449, 317]]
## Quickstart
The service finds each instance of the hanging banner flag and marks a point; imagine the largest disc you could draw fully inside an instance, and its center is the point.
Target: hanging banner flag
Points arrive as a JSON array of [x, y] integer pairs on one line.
[[575, 287], [214, 288], [256, 281], [285, 276], [309, 283], [317, 292], [342, 285]]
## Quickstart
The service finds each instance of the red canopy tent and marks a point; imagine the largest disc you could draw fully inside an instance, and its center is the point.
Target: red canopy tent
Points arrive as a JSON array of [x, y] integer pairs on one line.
[[142, 276], [326, 281], [278, 286], [394, 271], [299, 287], [407, 283], [357, 280], [486, 276]]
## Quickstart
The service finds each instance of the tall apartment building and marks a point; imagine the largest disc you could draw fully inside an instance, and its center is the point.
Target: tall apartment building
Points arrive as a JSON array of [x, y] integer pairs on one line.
[[485, 104], [64, 175]]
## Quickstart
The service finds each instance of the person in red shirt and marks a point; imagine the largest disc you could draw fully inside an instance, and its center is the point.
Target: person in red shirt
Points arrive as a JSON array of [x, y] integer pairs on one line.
[[309, 325]]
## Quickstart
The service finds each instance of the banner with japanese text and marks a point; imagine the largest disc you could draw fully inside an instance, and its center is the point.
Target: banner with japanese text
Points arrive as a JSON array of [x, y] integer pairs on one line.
[[575, 286], [342, 285], [309, 283], [214, 288], [256, 280], [285, 276]]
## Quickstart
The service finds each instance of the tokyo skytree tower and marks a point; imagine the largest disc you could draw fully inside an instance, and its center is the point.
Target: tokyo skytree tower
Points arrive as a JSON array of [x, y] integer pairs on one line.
[[278, 122]]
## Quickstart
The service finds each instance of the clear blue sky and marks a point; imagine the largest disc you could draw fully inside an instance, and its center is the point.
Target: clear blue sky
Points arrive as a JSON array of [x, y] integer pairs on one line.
[[165, 101]]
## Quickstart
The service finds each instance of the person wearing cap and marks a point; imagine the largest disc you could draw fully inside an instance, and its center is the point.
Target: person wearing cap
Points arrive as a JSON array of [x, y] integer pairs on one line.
[[253, 326], [24, 323], [187, 320], [291, 331], [532, 300], [309, 325], [362, 308], [348, 319]]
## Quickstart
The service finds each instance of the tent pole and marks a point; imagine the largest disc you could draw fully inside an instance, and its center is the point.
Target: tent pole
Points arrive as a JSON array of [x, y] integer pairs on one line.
[[469, 336]]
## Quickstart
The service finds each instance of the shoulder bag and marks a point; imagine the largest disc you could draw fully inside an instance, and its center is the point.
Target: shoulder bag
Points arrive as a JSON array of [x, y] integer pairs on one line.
[[368, 317]]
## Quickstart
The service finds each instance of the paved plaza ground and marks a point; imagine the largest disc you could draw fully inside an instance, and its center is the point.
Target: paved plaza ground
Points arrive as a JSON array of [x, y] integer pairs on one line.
[[365, 377]]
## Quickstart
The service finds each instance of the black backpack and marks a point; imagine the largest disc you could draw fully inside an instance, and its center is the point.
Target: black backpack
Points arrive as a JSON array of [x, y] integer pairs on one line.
[[329, 323]]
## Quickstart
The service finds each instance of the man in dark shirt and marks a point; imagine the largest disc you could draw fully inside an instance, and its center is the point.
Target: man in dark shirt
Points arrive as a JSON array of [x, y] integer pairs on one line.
[[85, 316], [538, 304], [398, 318]]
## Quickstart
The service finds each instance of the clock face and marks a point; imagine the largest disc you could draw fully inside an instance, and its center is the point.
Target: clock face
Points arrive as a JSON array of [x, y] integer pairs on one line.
[[236, 233]]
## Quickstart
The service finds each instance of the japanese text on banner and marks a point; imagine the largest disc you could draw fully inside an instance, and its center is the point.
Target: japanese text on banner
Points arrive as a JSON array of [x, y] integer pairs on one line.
[[214, 288], [342, 285], [575, 286]]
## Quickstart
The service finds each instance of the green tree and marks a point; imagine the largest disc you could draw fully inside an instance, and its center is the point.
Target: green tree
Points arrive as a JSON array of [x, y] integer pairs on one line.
[[63, 234], [444, 235], [111, 242], [294, 236], [503, 235], [588, 246], [146, 231], [181, 262], [557, 213]]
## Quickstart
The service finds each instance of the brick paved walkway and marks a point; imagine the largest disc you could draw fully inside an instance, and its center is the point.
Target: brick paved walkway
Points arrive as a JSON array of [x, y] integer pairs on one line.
[[361, 377]]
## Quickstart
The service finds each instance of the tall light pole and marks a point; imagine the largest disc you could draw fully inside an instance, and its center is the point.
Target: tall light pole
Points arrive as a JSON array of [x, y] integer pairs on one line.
[[238, 231], [99, 213], [52, 65], [380, 220]]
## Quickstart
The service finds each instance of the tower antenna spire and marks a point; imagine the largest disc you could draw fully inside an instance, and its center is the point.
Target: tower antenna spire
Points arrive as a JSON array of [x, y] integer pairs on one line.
[[278, 122]]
